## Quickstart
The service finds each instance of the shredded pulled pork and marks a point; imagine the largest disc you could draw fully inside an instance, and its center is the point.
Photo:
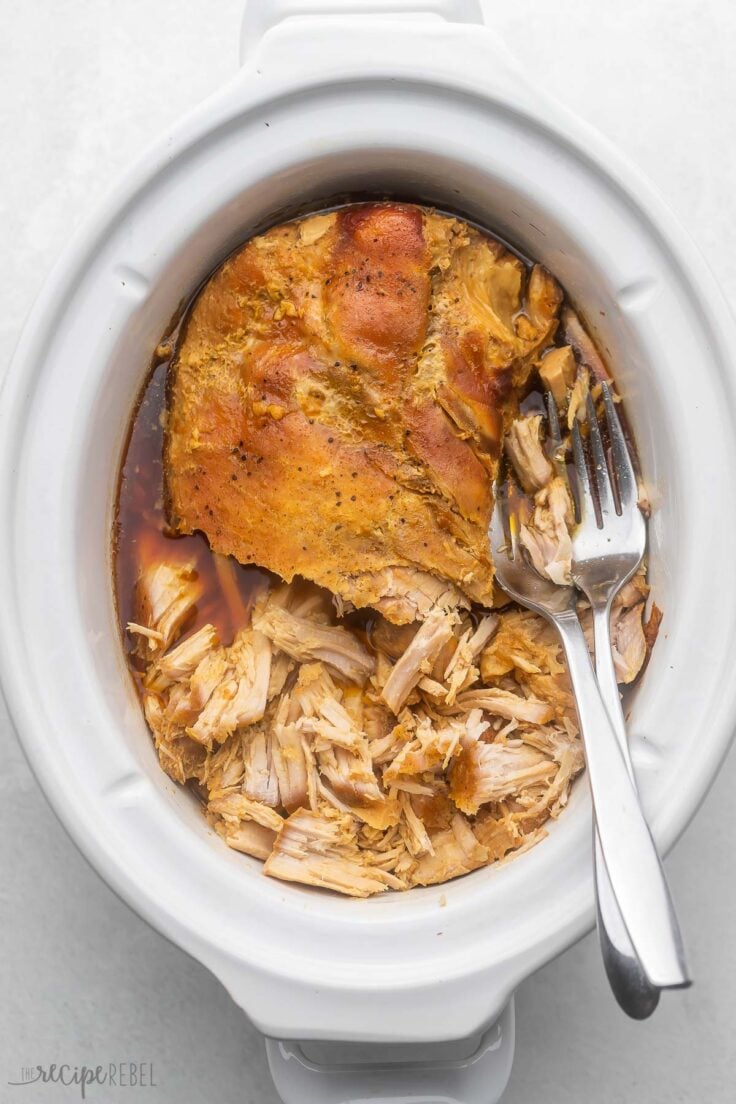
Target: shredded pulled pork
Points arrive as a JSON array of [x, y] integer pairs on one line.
[[557, 370], [546, 534], [320, 849], [364, 761], [165, 597], [418, 658], [524, 449], [304, 640]]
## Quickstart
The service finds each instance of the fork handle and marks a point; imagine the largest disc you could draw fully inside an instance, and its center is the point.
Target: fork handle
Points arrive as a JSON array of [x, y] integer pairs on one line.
[[630, 856], [630, 985], [606, 674]]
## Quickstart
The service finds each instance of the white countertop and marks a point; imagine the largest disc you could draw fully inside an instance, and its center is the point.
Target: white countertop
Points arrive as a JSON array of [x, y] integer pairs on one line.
[[84, 85]]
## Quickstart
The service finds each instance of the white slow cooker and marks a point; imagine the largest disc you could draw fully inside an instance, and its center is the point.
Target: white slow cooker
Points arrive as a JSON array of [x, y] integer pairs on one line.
[[338, 97]]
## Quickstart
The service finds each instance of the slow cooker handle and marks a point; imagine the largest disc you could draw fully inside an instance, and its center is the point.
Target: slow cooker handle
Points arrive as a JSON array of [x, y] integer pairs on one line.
[[464, 1072], [260, 17]]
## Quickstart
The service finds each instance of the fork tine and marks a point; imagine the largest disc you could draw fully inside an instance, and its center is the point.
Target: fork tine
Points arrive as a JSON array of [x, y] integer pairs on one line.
[[553, 422], [601, 474], [628, 491], [513, 524], [511, 496], [584, 495], [504, 538], [502, 507]]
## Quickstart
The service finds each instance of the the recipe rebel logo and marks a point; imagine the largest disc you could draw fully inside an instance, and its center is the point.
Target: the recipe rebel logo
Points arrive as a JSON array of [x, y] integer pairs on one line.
[[121, 1075]]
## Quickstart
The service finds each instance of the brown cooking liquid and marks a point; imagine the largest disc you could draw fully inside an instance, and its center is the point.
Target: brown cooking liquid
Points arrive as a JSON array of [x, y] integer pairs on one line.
[[142, 537]]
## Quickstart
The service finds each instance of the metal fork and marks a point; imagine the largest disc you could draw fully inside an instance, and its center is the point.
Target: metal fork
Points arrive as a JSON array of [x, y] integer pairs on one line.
[[608, 545], [628, 851], [631, 987]]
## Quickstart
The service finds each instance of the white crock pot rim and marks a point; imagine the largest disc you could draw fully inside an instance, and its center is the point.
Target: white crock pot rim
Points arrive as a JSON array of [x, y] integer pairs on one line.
[[50, 304]]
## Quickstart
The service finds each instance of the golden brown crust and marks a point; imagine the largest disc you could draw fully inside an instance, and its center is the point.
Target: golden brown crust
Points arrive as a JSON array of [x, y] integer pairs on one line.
[[378, 290], [338, 401]]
